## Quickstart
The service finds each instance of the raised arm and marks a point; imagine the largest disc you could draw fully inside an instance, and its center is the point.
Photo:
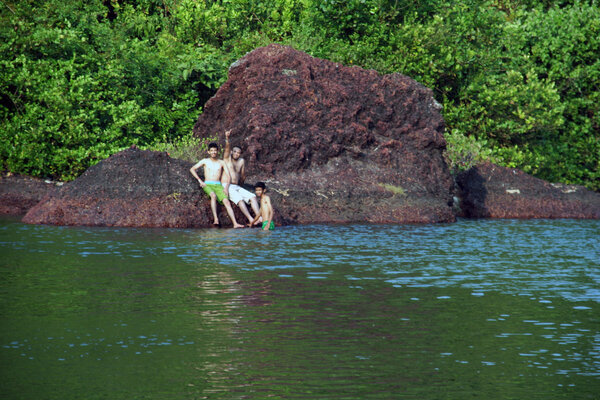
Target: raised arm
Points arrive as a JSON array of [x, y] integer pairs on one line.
[[227, 151]]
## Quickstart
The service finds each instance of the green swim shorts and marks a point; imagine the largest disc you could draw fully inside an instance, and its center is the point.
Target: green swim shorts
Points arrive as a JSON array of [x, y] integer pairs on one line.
[[271, 227], [217, 188]]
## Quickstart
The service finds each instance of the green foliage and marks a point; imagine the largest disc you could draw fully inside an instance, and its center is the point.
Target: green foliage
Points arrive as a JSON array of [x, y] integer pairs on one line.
[[396, 190], [77, 89], [519, 80], [561, 45], [187, 148], [463, 152]]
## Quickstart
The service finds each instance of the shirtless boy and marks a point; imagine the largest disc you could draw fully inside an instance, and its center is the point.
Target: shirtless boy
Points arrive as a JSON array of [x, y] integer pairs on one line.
[[237, 172], [266, 210], [214, 169]]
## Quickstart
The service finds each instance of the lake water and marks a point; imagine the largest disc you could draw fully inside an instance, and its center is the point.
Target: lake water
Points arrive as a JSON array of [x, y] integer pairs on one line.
[[478, 309]]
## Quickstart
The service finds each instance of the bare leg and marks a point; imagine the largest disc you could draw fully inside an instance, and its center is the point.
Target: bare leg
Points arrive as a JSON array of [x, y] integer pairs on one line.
[[213, 207], [242, 206], [227, 205], [254, 205]]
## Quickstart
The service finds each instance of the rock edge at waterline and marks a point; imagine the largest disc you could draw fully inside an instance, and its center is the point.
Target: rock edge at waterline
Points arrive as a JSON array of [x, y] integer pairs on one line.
[[138, 188], [19, 193], [491, 191], [133, 188]]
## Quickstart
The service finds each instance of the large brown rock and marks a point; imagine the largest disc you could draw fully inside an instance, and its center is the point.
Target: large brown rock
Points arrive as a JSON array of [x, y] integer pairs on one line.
[[491, 191], [18, 193], [134, 188], [334, 143]]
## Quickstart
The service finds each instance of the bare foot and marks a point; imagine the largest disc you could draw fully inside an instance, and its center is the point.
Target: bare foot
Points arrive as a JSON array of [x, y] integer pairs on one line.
[[236, 225]]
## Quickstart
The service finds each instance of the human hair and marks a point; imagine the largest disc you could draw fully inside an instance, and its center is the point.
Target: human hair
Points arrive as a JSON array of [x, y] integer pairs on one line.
[[213, 144], [260, 185]]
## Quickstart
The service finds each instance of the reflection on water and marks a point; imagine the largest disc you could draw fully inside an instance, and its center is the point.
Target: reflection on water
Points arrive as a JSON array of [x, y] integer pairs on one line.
[[481, 309]]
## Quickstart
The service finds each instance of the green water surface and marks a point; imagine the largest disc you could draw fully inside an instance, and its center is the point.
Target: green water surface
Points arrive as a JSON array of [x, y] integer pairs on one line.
[[473, 310]]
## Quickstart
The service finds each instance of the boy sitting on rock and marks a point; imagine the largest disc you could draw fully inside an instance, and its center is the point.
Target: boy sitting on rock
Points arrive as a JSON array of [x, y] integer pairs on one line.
[[213, 170]]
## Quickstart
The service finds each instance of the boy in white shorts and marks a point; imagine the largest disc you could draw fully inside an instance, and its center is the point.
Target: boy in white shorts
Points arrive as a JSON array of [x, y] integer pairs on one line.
[[237, 169]]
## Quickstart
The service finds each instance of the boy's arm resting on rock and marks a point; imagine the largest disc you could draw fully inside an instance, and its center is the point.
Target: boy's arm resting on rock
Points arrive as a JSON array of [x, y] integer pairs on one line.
[[195, 174], [226, 179]]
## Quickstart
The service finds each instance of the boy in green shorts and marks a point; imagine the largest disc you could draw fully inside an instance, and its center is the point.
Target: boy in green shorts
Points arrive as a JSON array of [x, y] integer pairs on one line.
[[266, 210], [213, 169]]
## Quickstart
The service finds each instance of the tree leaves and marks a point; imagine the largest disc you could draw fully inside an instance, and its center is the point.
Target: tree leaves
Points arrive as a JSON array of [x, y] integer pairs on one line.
[[519, 80]]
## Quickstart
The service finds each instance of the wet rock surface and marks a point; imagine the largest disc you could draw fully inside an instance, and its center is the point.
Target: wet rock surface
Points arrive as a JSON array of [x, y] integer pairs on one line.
[[19, 193], [491, 191], [133, 188], [149, 189], [334, 143]]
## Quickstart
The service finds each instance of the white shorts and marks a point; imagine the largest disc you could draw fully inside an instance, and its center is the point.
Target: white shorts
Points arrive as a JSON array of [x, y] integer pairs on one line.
[[238, 193]]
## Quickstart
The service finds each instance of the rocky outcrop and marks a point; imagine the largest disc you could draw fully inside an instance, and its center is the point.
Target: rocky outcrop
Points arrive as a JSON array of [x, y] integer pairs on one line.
[[149, 189], [491, 191], [334, 143], [19, 193], [134, 188]]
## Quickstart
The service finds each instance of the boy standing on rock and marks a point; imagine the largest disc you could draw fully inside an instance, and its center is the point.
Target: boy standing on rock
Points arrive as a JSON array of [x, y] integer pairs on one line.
[[266, 210], [214, 169], [237, 171]]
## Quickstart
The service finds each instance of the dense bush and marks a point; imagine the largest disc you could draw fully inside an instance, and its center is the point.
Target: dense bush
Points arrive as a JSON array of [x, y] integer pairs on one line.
[[538, 105], [519, 79], [77, 87]]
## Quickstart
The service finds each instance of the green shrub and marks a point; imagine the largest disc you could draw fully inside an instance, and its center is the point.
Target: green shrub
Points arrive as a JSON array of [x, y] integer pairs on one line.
[[463, 152], [78, 88], [519, 80], [188, 148]]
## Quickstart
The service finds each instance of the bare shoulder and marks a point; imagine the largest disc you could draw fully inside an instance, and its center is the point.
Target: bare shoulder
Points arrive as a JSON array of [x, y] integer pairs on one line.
[[201, 162]]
